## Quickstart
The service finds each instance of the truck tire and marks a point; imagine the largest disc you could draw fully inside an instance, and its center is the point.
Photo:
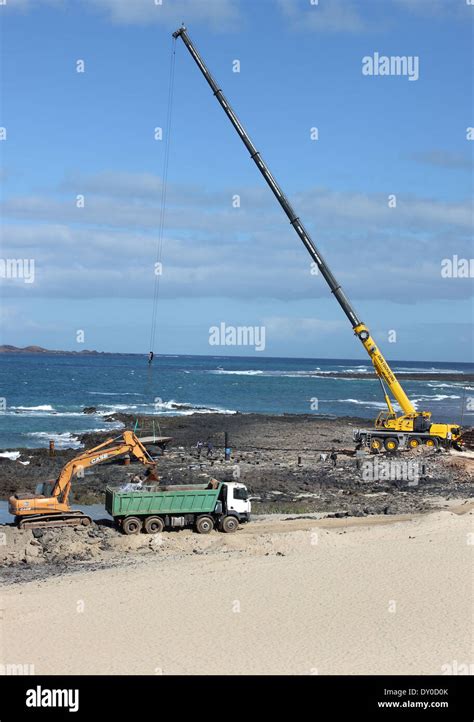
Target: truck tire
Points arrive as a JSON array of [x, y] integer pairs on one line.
[[229, 524], [131, 525], [414, 442], [376, 444], [391, 444], [204, 524], [154, 525], [432, 443]]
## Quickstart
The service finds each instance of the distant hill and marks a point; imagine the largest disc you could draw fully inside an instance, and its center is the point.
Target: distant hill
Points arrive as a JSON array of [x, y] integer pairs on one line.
[[39, 349]]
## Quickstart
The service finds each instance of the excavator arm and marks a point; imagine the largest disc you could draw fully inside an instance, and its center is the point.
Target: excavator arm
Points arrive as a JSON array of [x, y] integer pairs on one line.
[[109, 449], [53, 509]]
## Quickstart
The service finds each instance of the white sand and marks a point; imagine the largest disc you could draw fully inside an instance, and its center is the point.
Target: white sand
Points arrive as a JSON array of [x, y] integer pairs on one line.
[[392, 597]]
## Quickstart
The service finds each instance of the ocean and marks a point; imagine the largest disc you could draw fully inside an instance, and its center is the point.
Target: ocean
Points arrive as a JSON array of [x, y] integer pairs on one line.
[[46, 393]]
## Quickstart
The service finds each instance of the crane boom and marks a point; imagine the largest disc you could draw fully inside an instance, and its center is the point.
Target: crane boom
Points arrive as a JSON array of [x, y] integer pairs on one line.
[[380, 364]]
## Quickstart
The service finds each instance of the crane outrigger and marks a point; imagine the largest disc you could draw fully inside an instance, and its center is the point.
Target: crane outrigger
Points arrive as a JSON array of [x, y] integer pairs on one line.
[[409, 429]]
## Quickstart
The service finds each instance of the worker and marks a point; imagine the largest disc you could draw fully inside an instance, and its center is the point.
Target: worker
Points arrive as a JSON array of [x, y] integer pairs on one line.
[[210, 447], [150, 357], [333, 457], [199, 446]]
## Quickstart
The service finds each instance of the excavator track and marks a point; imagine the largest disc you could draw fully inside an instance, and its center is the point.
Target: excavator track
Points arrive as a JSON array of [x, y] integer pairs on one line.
[[467, 439], [54, 520]]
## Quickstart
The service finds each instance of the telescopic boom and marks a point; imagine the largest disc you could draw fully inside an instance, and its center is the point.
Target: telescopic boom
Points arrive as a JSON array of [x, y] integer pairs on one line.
[[381, 366], [277, 191]]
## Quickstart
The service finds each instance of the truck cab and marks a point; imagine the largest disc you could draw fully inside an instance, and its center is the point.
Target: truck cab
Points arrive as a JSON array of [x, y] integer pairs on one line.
[[237, 500]]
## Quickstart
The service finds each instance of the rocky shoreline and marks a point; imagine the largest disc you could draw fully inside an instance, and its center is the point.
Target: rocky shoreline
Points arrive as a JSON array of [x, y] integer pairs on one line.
[[280, 459], [283, 460]]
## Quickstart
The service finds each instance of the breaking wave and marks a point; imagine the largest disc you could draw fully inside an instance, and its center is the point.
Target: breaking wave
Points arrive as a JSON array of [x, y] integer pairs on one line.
[[64, 440]]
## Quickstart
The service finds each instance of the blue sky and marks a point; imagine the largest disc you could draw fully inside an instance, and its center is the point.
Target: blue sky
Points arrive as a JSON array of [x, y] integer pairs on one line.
[[91, 133]]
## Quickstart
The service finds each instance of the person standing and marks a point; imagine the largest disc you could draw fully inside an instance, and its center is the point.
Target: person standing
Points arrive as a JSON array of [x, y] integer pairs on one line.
[[210, 447]]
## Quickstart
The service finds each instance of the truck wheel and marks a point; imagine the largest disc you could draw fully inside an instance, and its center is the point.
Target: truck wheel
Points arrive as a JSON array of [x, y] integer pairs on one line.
[[376, 444], [154, 525], [204, 524], [229, 524], [391, 444], [414, 442], [432, 443], [131, 525]]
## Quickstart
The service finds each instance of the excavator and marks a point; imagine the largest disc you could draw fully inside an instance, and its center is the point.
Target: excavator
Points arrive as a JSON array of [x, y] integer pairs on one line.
[[391, 430], [49, 506]]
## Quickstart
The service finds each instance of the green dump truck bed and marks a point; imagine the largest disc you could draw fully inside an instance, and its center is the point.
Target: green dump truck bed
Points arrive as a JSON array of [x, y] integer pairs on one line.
[[191, 499]]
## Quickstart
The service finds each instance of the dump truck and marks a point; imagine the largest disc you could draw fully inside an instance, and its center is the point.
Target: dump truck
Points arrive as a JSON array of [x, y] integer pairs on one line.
[[153, 508]]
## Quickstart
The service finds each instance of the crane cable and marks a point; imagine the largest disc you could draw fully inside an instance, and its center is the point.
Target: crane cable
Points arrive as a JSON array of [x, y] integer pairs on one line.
[[161, 225], [164, 182]]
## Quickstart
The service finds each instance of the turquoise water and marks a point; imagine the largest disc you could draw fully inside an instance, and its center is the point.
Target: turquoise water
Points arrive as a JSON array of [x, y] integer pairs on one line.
[[46, 393]]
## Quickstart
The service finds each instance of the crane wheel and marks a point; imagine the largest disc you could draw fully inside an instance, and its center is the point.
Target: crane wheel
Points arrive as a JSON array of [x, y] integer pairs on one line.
[[204, 525], [154, 525], [432, 443], [229, 524], [391, 444], [131, 525], [414, 442], [376, 444]]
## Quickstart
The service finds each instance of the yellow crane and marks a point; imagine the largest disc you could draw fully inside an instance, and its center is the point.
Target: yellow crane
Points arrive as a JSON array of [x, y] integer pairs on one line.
[[411, 427], [49, 506]]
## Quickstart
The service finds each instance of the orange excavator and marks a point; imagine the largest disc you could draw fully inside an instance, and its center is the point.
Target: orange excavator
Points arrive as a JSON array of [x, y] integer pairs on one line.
[[49, 506]]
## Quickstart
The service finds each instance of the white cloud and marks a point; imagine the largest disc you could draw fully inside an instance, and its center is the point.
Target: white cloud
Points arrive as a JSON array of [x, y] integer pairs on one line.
[[210, 249], [435, 8], [283, 327], [26, 5], [443, 159], [219, 14], [327, 16], [356, 16]]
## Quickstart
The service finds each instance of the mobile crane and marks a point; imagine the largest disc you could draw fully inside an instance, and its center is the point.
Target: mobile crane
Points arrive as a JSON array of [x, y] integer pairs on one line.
[[49, 506], [391, 431]]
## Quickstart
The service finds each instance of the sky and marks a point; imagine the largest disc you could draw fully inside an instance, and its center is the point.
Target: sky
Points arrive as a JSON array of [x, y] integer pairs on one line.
[[385, 190]]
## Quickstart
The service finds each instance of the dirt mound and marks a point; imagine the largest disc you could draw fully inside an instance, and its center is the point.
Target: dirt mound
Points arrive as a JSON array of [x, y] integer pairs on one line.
[[68, 544]]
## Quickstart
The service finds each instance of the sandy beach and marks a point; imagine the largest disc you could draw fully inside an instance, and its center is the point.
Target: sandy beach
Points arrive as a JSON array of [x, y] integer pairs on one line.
[[281, 596], [344, 576]]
